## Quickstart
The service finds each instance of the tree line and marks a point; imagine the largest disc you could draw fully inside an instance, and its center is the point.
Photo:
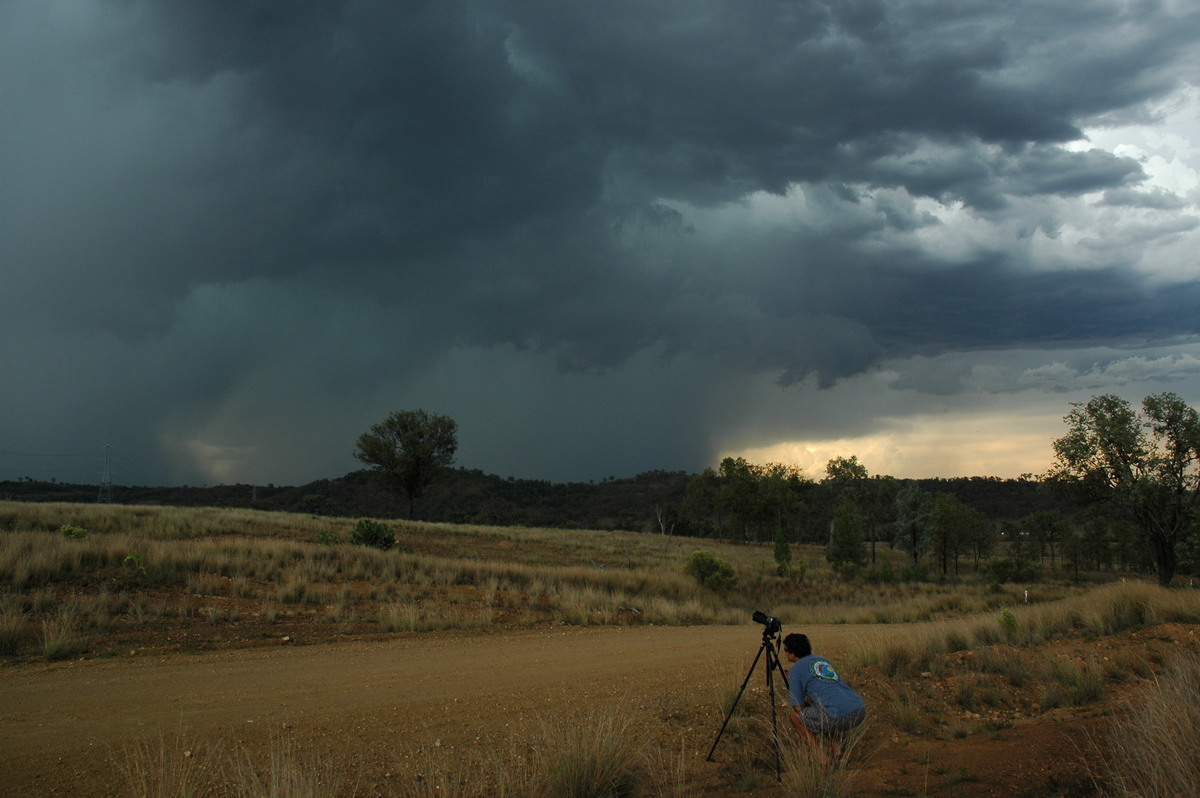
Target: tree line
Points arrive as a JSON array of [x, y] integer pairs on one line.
[[854, 515], [1132, 479]]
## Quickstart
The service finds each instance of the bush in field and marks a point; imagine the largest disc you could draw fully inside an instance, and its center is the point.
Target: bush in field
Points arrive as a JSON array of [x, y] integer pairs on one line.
[[372, 533], [846, 569], [783, 554], [710, 570], [881, 573], [914, 572], [1008, 624], [1007, 570], [73, 532]]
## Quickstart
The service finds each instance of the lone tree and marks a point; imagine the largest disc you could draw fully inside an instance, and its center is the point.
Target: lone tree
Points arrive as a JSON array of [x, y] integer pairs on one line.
[[412, 448], [1147, 466]]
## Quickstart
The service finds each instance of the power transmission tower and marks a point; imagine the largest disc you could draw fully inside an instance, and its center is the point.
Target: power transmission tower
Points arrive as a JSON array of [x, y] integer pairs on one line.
[[105, 496]]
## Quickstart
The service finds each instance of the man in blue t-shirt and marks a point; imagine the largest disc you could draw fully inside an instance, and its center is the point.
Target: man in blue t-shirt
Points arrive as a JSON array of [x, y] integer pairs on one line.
[[832, 706]]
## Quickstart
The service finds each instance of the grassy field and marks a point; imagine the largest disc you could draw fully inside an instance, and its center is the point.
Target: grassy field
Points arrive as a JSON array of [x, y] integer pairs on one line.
[[71, 573], [109, 581]]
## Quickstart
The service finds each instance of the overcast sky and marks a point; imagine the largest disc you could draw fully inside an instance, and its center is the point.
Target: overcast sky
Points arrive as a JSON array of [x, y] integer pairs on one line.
[[604, 237]]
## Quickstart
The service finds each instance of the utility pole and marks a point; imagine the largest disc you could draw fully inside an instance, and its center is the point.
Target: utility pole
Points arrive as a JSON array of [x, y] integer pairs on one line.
[[105, 496]]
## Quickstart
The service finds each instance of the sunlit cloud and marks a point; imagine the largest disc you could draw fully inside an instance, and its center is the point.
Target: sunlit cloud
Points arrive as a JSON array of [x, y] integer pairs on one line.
[[1005, 445]]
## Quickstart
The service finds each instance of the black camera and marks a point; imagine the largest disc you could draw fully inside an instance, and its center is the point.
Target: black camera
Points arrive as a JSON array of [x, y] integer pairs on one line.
[[771, 622]]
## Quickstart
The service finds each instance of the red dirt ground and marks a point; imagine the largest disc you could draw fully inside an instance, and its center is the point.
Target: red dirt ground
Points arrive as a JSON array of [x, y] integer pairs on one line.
[[366, 706]]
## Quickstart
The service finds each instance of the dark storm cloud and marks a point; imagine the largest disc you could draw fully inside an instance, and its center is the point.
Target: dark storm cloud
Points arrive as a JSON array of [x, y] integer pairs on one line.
[[204, 192]]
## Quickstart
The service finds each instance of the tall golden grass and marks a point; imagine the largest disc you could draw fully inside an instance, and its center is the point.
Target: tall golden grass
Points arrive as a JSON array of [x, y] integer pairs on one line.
[[1155, 742], [1101, 611]]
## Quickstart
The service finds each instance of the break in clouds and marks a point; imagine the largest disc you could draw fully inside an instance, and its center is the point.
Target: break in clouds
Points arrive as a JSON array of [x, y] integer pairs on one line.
[[605, 238]]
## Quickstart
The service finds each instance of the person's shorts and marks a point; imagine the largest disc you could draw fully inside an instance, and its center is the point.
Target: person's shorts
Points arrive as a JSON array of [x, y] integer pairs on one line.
[[817, 722]]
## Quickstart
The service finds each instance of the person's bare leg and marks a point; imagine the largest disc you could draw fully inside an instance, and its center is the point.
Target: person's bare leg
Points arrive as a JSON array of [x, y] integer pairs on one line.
[[817, 744], [806, 736]]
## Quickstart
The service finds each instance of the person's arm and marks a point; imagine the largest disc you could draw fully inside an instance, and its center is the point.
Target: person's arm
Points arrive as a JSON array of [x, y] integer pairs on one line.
[[797, 723]]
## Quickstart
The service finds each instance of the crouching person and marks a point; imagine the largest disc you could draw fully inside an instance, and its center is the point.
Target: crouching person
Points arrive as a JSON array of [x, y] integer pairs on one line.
[[823, 706]]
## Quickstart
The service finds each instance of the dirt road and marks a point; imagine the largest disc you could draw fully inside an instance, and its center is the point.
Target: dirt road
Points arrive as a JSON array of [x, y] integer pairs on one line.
[[367, 705]]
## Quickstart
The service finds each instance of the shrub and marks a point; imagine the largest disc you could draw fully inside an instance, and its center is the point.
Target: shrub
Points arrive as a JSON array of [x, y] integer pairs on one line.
[[710, 570], [799, 570], [1008, 570], [327, 538], [881, 574], [783, 554], [1008, 623], [73, 532], [846, 569], [372, 533], [134, 564]]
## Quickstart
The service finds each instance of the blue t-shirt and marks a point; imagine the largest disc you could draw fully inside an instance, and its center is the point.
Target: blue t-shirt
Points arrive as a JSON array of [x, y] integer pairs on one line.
[[815, 678]]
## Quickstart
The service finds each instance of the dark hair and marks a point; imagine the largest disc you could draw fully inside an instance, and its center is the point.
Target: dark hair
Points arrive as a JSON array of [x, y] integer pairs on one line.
[[797, 644]]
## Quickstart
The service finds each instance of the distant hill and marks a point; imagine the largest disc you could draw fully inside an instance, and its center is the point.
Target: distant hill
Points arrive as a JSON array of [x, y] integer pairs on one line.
[[471, 496]]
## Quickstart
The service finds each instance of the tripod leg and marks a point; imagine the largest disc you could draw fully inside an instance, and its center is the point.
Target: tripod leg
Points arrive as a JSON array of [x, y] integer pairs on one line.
[[733, 706], [772, 665]]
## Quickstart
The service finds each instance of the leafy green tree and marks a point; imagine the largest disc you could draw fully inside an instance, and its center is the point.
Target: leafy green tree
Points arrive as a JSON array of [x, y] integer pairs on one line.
[[412, 447], [1020, 547], [702, 498], [983, 538], [950, 526], [739, 492], [1074, 551], [846, 473], [1146, 466], [879, 509], [780, 490], [783, 554], [1046, 528], [846, 478], [913, 506], [846, 545], [757, 500], [1189, 552], [873, 498]]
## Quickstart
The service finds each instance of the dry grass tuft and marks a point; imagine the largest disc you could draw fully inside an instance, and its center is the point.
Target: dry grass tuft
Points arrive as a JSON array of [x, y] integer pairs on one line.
[[1156, 749], [176, 764], [595, 756]]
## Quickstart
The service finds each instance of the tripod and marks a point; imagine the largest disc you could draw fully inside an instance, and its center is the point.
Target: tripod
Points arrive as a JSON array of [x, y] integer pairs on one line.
[[770, 647]]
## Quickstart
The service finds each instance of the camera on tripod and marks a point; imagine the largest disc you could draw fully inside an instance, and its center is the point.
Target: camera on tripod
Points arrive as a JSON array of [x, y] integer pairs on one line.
[[769, 621], [769, 647]]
